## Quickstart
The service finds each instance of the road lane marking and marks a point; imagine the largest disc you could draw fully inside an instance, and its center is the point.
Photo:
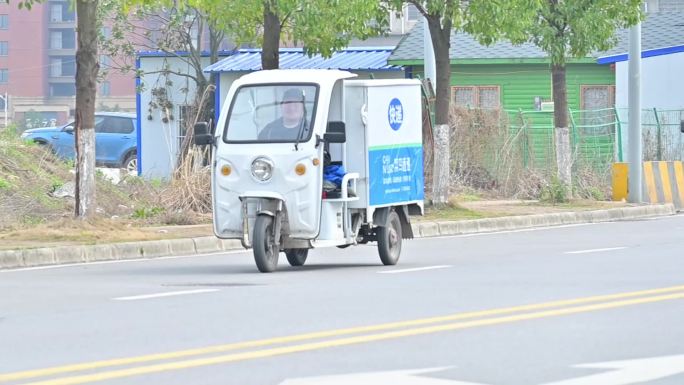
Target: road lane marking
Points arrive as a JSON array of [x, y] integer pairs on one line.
[[325, 344], [328, 333], [414, 269], [596, 250], [166, 294]]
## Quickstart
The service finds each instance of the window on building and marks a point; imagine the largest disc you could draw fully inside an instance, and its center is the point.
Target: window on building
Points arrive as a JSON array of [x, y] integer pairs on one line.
[[485, 97], [62, 89], [56, 12], [105, 61], [56, 39], [597, 102], [63, 39], [3, 48], [55, 66], [596, 97], [3, 102], [69, 66], [69, 38], [4, 21], [4, 75], [105, 88]]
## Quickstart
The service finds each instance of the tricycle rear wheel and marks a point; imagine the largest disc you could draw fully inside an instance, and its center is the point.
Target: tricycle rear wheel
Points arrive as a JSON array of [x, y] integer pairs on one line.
[[389, 240], [296, 257], [265, 252]]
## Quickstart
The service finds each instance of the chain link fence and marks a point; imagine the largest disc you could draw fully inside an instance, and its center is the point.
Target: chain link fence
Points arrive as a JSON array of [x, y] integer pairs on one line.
[[661, 136], [512, 153]]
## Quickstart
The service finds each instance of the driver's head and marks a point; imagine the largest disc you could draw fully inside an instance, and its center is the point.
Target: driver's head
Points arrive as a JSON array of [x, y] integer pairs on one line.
[[292, 106]]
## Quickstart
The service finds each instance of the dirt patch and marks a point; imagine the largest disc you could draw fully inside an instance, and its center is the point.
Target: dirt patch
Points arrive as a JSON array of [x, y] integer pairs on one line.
[[527, 207], [68, 231]]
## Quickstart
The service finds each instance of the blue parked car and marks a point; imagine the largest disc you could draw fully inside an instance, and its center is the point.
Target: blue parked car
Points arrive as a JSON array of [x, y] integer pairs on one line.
[[115, 140]]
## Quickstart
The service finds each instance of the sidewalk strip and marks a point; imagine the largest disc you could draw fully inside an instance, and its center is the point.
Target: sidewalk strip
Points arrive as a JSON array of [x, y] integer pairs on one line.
[[167, 294], [330, 333]]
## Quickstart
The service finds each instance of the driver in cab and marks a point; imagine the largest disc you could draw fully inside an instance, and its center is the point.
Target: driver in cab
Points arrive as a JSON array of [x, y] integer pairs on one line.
[[292, 120]]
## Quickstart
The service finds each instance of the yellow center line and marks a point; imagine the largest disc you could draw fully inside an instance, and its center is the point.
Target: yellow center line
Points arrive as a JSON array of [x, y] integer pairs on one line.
[[322, 334], [348, 341]]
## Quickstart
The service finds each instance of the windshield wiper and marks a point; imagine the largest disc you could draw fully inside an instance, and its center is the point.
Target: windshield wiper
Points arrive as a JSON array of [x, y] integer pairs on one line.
[[299, 134]]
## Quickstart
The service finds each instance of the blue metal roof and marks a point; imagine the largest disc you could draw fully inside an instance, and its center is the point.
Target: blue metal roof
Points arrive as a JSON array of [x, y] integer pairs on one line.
[[351, 59], [644, 54]]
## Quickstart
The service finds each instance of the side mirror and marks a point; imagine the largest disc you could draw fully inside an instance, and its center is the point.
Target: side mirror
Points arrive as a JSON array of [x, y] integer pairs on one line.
[[202, 135], [681, 126], [336, 133], [68, 129]]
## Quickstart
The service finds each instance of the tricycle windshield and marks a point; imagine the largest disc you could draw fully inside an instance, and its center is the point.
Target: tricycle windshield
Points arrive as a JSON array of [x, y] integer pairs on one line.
[[268, 113]]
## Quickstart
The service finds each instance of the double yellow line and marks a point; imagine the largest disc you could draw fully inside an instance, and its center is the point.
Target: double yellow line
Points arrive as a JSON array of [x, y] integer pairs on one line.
[[183, 359]]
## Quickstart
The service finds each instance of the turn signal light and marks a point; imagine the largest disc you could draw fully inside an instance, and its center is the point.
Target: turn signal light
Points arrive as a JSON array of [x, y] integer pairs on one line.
[[300, 169], [316, 161], [225, 170]]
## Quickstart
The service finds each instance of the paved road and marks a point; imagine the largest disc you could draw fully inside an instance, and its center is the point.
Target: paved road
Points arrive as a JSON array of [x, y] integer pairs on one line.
[[516, 308]]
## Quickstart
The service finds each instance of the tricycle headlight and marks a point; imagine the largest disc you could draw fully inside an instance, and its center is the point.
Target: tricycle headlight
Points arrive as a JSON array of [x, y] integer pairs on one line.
[[262, 169]]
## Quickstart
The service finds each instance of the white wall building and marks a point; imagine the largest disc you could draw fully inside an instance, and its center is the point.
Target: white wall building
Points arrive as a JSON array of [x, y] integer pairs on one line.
[[160, 132], [662, 80]]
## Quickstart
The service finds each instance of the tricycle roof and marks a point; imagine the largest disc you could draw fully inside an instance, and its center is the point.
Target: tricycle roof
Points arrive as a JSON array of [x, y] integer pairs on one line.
[[320, 76]]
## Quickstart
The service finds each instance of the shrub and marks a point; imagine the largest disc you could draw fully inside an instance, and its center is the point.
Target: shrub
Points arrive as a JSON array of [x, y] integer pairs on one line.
[[555, 192]]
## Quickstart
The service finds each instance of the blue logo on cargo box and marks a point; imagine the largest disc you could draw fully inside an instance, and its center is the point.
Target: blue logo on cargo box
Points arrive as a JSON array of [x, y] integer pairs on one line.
[[395, 114]]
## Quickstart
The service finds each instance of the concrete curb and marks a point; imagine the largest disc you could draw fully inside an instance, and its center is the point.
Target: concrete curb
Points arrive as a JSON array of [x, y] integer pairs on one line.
[[12, 259]]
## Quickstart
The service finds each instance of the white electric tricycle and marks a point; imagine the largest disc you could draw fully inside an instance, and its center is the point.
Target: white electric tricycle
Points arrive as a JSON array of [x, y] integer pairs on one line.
[[312, 158]]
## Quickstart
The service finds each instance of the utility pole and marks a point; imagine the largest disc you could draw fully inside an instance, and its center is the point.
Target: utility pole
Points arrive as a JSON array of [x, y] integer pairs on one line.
[[635, 154], [429, 57]]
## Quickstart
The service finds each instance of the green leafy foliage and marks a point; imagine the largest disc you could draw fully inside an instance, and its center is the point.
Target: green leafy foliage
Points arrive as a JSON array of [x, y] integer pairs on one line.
[[574, 29], [4, 184], [555, 192], [321, 26], [147, 212]]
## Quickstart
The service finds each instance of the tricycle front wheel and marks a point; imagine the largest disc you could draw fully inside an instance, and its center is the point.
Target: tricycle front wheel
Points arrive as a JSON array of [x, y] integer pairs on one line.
[[389, 240], [265, 252]]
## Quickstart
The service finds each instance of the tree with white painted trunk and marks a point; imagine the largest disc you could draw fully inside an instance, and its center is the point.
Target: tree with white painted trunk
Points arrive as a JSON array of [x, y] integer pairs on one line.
[[87, 67], [485, 19], [573, 29]]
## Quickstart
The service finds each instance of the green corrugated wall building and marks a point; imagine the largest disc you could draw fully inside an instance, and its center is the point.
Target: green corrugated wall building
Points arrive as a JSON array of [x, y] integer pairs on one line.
[[520, 72]]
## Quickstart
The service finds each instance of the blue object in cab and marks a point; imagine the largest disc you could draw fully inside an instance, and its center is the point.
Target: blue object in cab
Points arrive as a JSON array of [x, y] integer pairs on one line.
[[115, 140]]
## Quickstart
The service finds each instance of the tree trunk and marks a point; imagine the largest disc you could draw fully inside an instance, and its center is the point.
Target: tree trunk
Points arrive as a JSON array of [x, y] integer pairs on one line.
[[562, 132], [440, 43], [269, 52], [440, 35], [87, 67]]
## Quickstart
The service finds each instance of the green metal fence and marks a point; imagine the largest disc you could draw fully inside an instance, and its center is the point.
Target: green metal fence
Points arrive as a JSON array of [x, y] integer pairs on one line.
[[598, 137], [515, 151], [593, 137], [660, 133]]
